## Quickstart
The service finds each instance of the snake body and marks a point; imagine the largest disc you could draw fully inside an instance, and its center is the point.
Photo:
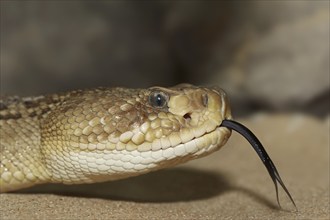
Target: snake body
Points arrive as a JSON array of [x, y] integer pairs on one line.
[[103, 134]]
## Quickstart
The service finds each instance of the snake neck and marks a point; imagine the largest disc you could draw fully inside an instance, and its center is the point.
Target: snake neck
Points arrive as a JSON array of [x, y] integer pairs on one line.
[[21, 162]]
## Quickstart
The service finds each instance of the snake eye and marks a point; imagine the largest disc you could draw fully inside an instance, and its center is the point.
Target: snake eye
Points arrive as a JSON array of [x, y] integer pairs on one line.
[[157, 99]]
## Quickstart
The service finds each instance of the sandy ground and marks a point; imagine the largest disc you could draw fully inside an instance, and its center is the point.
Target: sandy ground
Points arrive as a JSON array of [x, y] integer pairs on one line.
[[229, 184]]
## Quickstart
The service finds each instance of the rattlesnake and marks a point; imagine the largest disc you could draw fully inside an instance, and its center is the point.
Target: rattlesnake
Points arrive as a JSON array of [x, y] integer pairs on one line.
[[104, 134]]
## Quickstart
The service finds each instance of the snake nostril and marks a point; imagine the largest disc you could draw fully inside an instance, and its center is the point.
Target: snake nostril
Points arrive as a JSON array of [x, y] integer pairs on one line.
[[187, 116]]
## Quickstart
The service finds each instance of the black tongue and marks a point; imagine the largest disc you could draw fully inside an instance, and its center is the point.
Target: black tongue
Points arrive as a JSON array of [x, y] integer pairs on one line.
[[255, 143]]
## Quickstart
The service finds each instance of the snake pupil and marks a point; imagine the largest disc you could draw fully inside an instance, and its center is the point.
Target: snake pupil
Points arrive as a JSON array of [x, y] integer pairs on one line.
[[159, 100]]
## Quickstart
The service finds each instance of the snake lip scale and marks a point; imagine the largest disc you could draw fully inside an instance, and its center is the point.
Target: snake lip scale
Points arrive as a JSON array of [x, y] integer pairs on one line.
[[102, 134]]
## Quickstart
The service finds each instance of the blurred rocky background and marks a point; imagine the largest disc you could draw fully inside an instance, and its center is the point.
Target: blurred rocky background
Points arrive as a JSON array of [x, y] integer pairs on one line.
[[268, 55], [272, 57]]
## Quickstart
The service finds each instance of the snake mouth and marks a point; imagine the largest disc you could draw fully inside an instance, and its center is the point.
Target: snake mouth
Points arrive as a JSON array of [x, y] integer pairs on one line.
[[263, 155], [205, 143]]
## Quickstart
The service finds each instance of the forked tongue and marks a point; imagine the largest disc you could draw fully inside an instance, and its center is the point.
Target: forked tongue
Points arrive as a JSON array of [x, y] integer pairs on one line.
[[255, 143]]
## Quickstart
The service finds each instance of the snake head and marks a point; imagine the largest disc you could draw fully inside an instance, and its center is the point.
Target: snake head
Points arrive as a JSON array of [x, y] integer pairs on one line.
[[106, 134], [185, 121]]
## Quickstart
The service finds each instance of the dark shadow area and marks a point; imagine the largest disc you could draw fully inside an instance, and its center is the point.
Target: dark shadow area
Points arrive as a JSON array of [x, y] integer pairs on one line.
[[171, 185]]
